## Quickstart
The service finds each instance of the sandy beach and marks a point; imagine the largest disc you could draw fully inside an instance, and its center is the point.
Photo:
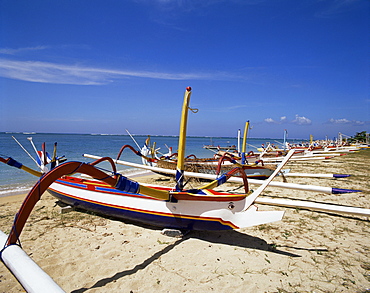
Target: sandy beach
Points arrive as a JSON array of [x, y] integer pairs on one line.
[[305, 252]]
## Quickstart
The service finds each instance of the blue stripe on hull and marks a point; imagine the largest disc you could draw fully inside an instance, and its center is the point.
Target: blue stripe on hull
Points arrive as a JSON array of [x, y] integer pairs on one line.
[[165, 221]]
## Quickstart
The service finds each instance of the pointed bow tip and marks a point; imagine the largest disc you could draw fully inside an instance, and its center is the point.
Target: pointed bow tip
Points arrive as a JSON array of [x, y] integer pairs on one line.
[[340, 190]]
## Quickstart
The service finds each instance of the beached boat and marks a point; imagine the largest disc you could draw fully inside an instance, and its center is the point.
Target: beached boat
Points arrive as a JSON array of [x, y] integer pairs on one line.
[[223, 148], [211, 146], [213, 167], [172, 207], [216, 165]]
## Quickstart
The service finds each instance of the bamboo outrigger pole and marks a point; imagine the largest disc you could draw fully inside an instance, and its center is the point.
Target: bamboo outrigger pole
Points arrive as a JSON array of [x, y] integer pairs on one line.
[[313, 188], [27, 272]]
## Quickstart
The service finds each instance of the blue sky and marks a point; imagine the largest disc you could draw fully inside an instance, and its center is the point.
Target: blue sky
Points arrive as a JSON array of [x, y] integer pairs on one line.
[[105, 66]]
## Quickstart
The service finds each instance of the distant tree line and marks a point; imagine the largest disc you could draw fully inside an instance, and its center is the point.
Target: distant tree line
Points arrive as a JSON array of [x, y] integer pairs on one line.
[[359, 137]]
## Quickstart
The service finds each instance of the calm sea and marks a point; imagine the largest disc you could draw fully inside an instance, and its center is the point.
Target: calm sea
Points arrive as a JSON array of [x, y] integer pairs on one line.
[[73, 146]]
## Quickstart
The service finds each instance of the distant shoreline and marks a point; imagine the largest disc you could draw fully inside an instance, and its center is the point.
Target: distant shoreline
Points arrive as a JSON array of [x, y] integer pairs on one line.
[[142, 135]]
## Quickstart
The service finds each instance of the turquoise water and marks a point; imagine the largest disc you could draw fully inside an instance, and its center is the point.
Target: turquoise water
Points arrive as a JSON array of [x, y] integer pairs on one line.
[[73, 146]]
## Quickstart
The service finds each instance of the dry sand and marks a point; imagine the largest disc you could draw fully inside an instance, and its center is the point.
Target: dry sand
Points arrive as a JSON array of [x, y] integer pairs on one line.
[[305, 252]]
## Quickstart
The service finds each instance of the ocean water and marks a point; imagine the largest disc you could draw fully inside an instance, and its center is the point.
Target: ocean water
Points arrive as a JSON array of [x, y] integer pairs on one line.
[[73, 146]]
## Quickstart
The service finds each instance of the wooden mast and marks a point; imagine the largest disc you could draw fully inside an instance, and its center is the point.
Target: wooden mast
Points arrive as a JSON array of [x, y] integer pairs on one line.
[[244, 145], [182, 141]]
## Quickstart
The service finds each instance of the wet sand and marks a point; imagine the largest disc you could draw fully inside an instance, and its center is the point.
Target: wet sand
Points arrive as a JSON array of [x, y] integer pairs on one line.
[[305, 252]]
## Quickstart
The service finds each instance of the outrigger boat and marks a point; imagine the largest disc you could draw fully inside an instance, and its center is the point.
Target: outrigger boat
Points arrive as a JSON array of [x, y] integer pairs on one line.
[[224, 148], [171, 207], [211, 146], [216, 165], [115, 195]]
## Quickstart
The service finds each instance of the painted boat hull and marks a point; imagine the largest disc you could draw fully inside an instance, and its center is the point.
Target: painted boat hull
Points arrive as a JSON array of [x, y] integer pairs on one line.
[[209, 167], [227, 148], [184, 214]]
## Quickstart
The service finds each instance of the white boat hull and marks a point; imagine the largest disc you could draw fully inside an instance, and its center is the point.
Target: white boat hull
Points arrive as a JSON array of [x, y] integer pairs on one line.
[[181, 214]]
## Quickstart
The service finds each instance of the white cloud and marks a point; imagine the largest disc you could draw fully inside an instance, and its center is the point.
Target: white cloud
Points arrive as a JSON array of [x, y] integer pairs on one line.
[[269, 120], [346, 121], [339, 121], [9, 51], [283, 119], [45, 72], [301, 120]]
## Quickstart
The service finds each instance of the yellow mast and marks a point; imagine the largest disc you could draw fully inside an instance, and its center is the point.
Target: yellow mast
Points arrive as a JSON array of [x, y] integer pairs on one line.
[[244, 147], [182, 140]]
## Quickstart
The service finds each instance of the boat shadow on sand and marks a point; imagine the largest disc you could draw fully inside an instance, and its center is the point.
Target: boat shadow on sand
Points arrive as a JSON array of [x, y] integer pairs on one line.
[[232, 238]]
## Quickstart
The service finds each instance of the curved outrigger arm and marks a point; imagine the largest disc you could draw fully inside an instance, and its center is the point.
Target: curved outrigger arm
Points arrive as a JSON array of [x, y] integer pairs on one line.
[[224, 177], [136, 152]]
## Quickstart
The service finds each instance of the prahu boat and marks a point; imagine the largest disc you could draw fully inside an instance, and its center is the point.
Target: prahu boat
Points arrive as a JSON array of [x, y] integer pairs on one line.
[[215, 165], [169, 207]]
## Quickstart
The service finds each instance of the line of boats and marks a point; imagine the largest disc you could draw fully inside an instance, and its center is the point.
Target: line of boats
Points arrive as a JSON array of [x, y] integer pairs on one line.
[[108, 192]]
